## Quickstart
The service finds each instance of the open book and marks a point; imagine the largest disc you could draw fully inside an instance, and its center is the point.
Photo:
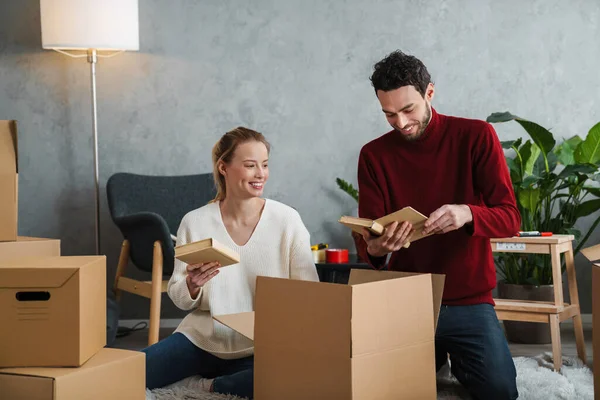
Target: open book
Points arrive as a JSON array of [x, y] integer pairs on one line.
[[206, 250], [377, 226]]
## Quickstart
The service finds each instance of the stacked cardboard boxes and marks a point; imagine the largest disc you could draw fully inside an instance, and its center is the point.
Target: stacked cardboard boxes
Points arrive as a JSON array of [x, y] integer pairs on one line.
[[53, 313]]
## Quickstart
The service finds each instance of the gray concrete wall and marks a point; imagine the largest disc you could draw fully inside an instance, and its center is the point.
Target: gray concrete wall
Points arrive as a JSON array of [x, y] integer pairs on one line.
[[295, 70]]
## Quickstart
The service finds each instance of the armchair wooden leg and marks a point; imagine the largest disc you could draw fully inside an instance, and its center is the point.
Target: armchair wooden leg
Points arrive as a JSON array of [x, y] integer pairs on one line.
[[157, 274], [123, 260], [556, 346]]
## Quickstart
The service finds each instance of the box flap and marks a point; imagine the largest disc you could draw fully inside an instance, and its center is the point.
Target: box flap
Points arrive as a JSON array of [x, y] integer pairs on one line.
[[8, 148], [41, 272], [311, 316], [592, 253], [391, 314], [242, 323], [360, 276]]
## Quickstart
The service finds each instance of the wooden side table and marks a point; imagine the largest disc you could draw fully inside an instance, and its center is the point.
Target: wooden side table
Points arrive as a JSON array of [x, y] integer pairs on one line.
[[552, 313]]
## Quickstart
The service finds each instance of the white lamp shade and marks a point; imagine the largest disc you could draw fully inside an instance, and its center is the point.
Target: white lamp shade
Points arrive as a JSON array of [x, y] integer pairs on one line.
[[90, 24]]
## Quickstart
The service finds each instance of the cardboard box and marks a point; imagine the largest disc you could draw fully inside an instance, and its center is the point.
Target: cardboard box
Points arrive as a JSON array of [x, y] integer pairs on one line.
[[370, 339], [8, 180], [29, 246], [111, 374], [53, 311], [593, 254]]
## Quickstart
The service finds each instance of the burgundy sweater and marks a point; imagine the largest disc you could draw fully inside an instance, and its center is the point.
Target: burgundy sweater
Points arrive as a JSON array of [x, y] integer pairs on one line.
[[456, 161]]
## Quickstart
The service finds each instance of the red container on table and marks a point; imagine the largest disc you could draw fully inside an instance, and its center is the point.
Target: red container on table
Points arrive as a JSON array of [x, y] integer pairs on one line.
[[336, 256]]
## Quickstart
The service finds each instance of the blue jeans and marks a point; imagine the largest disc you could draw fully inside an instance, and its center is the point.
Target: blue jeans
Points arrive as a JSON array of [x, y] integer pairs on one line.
[[175, 358], [479, 354]]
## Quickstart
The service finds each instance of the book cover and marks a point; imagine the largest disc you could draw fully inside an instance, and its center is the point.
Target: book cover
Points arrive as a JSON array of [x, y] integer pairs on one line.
[[206, 250], [377, 226]]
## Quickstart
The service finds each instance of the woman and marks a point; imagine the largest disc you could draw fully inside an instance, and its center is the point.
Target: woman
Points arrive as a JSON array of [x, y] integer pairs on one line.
[[271, 241]]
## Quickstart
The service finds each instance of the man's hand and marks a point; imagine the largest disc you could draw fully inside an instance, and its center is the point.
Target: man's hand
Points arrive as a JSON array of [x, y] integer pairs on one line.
[[199, 274], [394, 238], [449, 217]]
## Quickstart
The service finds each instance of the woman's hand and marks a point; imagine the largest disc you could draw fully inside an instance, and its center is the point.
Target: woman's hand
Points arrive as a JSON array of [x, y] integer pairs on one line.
[[199, 274]]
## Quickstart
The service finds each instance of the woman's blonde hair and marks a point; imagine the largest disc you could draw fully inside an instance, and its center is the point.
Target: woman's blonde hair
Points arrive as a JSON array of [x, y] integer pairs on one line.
[[224, 149]]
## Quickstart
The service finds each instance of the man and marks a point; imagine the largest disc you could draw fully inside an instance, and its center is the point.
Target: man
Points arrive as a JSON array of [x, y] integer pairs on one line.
[[453, 170]]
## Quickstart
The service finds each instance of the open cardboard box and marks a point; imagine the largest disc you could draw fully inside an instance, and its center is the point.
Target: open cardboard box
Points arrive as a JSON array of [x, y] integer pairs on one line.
[[52, 310], [27, 247], [370, 339], [8, 180], [593, 254], [110, 375]]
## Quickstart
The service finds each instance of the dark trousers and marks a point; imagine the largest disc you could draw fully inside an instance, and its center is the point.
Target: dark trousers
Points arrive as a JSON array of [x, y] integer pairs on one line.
[[175, 358], [479, 354]]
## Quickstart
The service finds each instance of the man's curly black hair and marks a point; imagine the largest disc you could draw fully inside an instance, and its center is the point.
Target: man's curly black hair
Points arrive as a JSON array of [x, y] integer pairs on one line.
[[398, 69]]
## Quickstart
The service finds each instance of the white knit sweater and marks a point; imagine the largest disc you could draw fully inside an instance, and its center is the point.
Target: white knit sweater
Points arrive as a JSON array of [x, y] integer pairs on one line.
[[279, 247]]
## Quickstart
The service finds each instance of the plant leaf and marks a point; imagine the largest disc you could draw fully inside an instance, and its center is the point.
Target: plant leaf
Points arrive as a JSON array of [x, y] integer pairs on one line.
[[530, 181], [592, 190], [574, 232], [588, 151], [540, 167], [500, 117], [587, 208], [530, 153], [507, 144], [529, 199], [566, 150], [348, 188], [515, 170], [540, 135], [575, 169]]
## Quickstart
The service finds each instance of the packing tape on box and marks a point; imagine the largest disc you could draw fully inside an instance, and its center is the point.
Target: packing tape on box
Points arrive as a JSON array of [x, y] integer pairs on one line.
[[336, 255]]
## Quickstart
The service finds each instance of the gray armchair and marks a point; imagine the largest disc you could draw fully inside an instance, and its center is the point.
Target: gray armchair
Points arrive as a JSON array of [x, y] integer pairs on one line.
[[148, 210]]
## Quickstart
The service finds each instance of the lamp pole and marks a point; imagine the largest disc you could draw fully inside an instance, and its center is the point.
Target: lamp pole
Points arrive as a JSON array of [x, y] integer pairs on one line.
[[92, 57]]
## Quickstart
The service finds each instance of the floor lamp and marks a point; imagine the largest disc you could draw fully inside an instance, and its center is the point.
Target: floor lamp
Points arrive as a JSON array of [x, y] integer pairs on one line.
[[92, 26]]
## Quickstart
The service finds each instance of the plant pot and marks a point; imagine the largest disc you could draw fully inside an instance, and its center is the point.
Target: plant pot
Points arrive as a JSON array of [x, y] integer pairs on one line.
[[526, 332]]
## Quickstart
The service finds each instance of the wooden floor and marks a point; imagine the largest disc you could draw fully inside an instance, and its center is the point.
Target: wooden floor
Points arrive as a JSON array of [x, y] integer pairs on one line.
[[137, 341]]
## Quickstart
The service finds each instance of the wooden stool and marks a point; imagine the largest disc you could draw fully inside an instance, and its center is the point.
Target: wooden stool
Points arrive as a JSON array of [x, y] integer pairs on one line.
[[552, 313]]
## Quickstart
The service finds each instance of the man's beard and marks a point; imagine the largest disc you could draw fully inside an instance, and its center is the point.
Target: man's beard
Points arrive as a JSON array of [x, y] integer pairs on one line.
[[422, 126]]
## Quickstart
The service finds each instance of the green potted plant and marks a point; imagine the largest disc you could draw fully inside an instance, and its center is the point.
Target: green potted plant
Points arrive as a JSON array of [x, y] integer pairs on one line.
[[555, 187]]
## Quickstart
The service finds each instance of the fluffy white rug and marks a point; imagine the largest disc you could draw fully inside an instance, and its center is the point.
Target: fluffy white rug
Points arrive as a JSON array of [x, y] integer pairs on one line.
[[535, 380]]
